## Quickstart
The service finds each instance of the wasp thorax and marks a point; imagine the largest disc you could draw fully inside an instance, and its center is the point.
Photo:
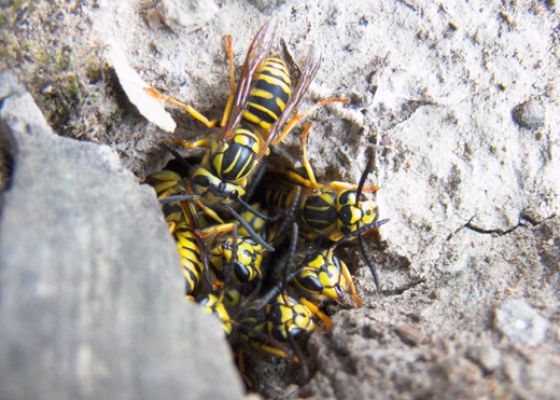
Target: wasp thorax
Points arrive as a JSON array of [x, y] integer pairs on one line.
[[234, 160], [288, 318], [353, 214], [207, 184], [248, 258], [322, 278]]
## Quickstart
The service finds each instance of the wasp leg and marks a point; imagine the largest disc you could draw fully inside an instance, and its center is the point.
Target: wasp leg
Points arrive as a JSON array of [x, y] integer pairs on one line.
[[294, 176], [299, 354], [341, 186], [242, 370], [229, 54], [204, 142], [289, 259], [327, 322], [306, 163], [348, 277], [188, 109], [277, 352], [215, 230], [288, 214], [300, 116], [209, 212]]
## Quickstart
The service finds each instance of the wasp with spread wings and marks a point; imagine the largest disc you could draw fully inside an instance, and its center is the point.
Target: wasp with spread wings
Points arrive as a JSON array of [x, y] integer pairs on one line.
[[261, 110]]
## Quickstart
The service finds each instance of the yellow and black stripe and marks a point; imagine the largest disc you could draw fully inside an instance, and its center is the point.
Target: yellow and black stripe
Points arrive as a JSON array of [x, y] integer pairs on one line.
[[212, 304], [190, 255], [235, 160], [168, 183], [319, 211], [270, 94]]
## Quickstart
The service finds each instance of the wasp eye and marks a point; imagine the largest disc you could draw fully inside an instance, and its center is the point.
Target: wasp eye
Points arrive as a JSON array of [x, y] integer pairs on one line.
[[344, 197], [312, 283], [241, 272], [201, 180], [296, 331]]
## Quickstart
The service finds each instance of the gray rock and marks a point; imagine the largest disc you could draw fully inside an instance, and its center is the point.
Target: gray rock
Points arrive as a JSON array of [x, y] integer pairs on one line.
[[267, 5], [9, 84], [182, 16], [487, 357], [521, 323], [529, 114], [91, 294]]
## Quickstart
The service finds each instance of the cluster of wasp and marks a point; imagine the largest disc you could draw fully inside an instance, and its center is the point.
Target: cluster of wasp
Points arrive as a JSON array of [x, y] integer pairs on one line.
[[240, 225]]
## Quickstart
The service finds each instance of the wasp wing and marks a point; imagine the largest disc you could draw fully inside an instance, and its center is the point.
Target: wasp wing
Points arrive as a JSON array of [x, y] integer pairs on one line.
[[258, 50], [312, 63]]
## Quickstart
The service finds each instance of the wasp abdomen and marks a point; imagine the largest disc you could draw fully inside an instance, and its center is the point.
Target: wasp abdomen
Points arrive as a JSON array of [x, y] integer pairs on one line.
[[319, 211], [189, 253], [270, 94]]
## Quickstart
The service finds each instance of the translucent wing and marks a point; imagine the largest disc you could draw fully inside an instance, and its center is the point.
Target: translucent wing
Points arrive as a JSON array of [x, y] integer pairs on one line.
[[258, 50], [312, 63]]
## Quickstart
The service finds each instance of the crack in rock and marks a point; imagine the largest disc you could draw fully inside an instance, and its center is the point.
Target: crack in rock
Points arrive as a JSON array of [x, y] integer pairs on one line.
[[524, 221]]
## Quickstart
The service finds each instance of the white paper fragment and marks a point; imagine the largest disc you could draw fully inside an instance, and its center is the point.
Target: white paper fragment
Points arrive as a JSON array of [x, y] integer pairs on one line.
[[151, 108]]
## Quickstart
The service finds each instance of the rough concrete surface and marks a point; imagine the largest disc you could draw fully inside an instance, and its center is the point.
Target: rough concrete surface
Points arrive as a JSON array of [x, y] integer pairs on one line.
[[461, 99], [90, 291]]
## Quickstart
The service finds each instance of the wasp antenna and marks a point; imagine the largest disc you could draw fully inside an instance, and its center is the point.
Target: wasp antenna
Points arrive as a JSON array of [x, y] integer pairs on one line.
[[360, 231], [299, 354], [249, 229], [179, 197], [254, 293], [367, 170], [368, 261], [289, 213], [291, 254], [229, 269], [273, 292], [179, 158], [252, 209]]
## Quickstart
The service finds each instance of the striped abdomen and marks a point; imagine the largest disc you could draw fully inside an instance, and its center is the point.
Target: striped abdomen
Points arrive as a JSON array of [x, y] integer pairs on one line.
[[167, 183], [319, 212], [270, 94], [190, 255], [278, 198]]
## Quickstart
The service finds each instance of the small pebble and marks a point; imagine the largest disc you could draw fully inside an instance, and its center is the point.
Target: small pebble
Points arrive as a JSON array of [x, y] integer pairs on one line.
[[182, 16], [408, 334], [529, 114], [521, 323], [487, 357]]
